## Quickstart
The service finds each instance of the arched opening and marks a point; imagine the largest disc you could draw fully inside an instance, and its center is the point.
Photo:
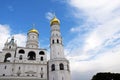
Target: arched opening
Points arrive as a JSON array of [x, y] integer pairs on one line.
[[9, 47], [31, 55], [20, 57], [41, 58], [53, 67], [7, 57], [53, 41], [3, 74], [41, 68], [5, 67], [41, 53], [57, 41], [41, 75], [21, 51], [61, 66], [19, 68], [62, 78]]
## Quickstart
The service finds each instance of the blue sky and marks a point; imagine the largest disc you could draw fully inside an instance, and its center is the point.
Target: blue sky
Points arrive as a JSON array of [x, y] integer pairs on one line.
[[90, 30], [20, 15]]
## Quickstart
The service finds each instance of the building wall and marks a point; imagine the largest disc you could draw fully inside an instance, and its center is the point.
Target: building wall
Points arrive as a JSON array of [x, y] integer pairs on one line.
[[24, 67]]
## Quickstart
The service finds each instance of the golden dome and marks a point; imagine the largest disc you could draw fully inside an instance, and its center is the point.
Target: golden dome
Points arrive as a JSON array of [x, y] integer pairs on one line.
[[33, 31], [54, 20]]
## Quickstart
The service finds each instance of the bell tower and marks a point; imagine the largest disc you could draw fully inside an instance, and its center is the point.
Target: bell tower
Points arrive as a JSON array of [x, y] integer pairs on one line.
[[58, 64], [32, 38]]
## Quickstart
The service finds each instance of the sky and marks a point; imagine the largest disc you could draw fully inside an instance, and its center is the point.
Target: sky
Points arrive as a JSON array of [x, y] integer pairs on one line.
[[90, 30]]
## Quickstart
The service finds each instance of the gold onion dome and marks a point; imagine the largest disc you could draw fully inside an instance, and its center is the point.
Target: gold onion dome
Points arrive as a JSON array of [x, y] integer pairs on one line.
[[33, 31], [55, 21]]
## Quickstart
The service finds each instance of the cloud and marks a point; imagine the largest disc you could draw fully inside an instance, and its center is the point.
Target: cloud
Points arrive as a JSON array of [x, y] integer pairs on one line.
[[21, 39], [49, 15], [5, 33], [96, 46]]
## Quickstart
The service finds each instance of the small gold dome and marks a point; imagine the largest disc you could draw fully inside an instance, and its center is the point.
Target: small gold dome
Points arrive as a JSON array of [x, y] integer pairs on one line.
[[33, 31], [54, 20]]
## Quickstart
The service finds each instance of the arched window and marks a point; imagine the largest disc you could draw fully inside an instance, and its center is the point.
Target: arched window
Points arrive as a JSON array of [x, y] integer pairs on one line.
[[62, 78], [41, 68], [53, 41], [20, 57], [41, 53], [61, 66], [9, 47], [3, 74], [5, 67], [7, 57], [41, 58], [19, 68], [41, 75], [21, 51], [57, 41], [31, 55], [53, 67]]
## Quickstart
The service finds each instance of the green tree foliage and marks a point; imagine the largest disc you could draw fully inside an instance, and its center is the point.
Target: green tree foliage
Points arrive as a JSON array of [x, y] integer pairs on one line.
[[106, 76]]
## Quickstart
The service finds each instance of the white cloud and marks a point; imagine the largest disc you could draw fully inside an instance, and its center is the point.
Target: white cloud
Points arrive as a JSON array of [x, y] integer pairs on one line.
[[97, 50], [21, 39], [5, 33]]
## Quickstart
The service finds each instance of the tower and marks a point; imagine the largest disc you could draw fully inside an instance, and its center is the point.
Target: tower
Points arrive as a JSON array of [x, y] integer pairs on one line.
[[32, 39], [9, 50], [58, 64]]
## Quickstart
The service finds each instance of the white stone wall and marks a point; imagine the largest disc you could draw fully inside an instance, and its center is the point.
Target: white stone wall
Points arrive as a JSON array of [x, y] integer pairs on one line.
[[58, 74], [24, 68]]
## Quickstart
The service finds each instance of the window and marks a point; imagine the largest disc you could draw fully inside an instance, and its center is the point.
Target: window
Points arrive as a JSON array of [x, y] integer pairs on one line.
[[18, 74], [41, 53], [41, 75], [7, 57], [41, 68], [61, 66], [62, 78], [20, 57], [5, 67], [19, 68], [53, 67], [57, 41], [12, 69], [41, 58], [21, 51], [53, 41], [3, 74], [31, 55], [9, 47]]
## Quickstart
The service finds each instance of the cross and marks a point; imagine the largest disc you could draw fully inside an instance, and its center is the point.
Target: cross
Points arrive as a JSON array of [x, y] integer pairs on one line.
[[33, 26]]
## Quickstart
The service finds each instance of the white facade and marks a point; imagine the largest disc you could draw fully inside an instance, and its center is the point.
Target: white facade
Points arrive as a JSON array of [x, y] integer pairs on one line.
[[58, 64], [30, 62]]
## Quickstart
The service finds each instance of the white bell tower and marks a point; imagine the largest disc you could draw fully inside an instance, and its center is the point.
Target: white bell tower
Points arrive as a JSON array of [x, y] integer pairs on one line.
[[32, 38], [58, 64]]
